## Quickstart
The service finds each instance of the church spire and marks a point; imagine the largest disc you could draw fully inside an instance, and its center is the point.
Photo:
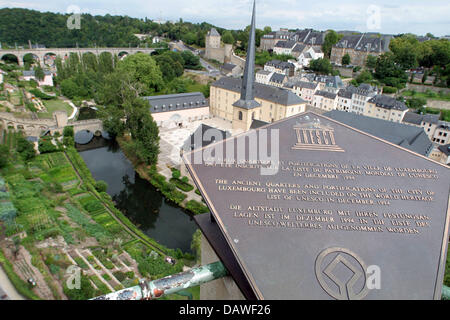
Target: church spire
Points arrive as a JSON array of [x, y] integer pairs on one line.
[[247, 100]]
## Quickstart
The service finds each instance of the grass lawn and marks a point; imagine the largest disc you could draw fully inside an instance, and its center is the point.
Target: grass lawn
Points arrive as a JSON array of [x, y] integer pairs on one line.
[[54, 105], [427, 95]]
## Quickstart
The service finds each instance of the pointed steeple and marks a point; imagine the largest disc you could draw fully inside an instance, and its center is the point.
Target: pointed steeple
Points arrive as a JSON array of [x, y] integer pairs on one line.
[[247, 100]]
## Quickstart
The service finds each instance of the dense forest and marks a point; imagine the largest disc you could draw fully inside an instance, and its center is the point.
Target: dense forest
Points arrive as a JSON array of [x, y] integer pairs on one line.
[[17, 26]]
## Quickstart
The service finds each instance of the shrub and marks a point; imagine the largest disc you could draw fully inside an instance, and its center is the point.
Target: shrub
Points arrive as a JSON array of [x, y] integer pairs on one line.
[[101, 186], [389, 90], [182, 185], [196, 207], [176, 174]]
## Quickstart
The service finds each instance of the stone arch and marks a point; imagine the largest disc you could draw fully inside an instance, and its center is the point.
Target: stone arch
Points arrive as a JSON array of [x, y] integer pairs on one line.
[[10, 58], [20, 127], [10, 124], [122, 54], [49, 59], [34, 58]]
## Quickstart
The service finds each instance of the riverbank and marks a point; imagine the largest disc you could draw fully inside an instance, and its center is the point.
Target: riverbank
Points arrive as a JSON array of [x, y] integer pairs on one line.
[[167, 188]]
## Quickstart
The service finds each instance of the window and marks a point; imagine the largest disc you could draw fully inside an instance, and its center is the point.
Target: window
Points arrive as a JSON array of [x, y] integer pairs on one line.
[[240, 115]]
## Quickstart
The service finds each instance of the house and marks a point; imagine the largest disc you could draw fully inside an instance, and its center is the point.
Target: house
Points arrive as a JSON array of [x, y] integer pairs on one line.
[[231, 70], [445, 154], [359, 47], [278, 80], [344, 99], [284, 47], [386, 108], [263, 76], [361, 95], [310, 37], [442, 133], [268, 41], [305, 90], [324, 100], [403, 135], [278, 66], [47, 81], [429, 122], [173, 110], [311, 53]]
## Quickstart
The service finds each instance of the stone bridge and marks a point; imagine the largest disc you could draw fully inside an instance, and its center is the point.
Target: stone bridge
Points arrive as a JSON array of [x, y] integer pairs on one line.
[[35, 127], [62, 52]]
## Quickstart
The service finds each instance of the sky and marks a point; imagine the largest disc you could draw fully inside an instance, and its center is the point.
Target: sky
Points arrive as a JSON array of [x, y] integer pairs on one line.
[[385, 16]]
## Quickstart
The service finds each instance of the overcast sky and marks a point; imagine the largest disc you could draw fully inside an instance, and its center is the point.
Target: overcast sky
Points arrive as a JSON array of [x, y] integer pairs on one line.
[[395, 16]]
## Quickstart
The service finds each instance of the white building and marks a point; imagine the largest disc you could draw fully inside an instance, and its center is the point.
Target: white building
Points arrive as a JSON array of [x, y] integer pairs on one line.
[[263, 76], [47, 81], [311, 53]]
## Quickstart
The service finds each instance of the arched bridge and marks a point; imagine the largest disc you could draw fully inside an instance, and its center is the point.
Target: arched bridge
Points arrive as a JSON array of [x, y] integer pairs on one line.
[[34, 127], [62, 52]]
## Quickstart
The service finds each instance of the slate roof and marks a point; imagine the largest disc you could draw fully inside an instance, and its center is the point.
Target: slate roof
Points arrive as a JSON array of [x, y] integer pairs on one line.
[[31, 73], [228, 66], [262, 91], [264, 72], [409, 137], [280, 64], [191, 143], [287, 44], [366, 90], [299, 47], [387, 102], [363, 42], [325, 94], [347, 92], [214, 33], [173, 102], [417, 119], [445, 149], [277, 78], [258, 124], [305, 84]]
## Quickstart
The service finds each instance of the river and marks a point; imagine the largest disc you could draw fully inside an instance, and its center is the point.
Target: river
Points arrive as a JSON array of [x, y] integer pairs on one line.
[[139, 200]]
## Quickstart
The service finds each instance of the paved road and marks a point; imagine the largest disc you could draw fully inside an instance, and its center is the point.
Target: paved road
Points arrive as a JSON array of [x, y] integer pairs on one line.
[[211, 70], [7, 288]]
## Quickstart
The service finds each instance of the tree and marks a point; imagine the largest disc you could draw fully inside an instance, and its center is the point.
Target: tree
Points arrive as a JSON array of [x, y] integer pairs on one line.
[[4, 155], [371, 61], [346, 59], [39, 73], [364, 77], [390, 73], [227, 37], [25, 149], [46, 146], [191, 61], [68, 131], [416, 103], [143, 69], [321, 66], [405, 50], [331, 38]]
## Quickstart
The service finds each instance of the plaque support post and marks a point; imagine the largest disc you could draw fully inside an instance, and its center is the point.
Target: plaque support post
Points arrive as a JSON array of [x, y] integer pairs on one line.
[[148, 290]]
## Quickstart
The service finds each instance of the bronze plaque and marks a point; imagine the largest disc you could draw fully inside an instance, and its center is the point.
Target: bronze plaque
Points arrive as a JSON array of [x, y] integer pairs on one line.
[[333, 214]]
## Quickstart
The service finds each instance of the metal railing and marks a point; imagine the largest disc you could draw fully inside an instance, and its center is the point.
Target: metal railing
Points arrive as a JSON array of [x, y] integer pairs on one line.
[[148, 290]]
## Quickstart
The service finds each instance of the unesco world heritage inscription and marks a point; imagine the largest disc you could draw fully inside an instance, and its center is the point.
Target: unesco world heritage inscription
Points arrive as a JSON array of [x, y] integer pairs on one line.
[[345, 215]]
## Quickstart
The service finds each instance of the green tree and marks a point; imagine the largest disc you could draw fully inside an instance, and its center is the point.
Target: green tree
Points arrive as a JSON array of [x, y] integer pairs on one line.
[[364, 77], [101, 186], [390, 73], [322, 66], [25, 149], [4, 155], [68, 131], [346, 59], [227, 37], [39, 73], [331, 38], [143, 69], [191, 61], [371, 61]]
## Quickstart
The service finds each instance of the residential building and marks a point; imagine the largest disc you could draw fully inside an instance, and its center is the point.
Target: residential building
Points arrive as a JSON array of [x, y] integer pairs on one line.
[[284, 47], [359, 47], [278, 66], [305, 90], [263, 76], [445, 154], [406, 136], [361, 95], [172, 110], [47, 81], [268, 41], [325, 100], [442, 133], [344, 99], [310, 37], [278, 80], [312, 53], [386, 108], [428, 122]]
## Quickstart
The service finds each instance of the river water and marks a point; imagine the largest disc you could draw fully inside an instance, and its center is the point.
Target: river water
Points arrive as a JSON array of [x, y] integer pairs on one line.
[[147, 208]]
